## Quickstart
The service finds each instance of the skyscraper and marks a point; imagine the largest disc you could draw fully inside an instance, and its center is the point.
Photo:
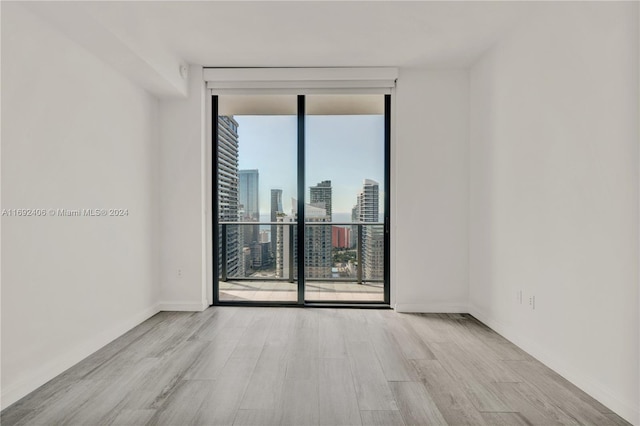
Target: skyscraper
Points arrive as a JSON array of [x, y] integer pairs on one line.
[[248, 194], [321, 193], [317, 241], [228, 189], [341, 237], [318, 244], [276, 207], [372, 235], [317, 254], [283, 253], [355, 217]]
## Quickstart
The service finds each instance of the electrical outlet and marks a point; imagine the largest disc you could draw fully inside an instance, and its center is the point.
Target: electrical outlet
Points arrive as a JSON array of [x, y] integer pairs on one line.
[[179, 272]]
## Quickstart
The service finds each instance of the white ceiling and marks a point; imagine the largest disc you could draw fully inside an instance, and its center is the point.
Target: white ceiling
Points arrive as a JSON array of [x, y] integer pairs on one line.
[[318, 33], [290, 34]]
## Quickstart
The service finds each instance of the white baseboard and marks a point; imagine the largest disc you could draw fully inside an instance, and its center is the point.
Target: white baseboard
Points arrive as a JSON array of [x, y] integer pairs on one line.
[[432, 308], [626, 409], [183, 306], [53, 367]]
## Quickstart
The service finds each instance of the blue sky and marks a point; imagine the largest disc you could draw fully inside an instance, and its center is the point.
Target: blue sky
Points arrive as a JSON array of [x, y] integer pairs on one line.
[[345, 149]]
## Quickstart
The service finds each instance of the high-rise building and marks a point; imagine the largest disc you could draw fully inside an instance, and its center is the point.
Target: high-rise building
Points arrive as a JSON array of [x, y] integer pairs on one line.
[[317, 255], [244, 263], [368, 200], [248, 196], [317, 250], [340, 237], [260, 255], [276, 208], [284, 253], [321, 193], [355, 217], [228, 190], [372, 235]]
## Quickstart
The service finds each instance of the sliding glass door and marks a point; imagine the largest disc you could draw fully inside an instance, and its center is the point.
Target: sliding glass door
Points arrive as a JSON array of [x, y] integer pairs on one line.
[[301, 199]]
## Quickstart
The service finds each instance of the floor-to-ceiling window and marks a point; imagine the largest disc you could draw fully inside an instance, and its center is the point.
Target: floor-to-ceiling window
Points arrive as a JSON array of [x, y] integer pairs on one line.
[[301, 198]]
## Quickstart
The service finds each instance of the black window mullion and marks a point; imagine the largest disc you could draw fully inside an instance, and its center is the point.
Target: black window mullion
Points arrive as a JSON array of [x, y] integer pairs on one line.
[[214, 196], [387, 199], [301, 198]]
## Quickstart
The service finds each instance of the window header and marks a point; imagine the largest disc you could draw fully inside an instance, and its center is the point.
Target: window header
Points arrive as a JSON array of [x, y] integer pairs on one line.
[[301, 80]]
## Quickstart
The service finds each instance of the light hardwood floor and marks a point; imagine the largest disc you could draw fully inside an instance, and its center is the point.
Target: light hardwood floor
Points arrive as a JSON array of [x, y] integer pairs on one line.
[[273, 366]]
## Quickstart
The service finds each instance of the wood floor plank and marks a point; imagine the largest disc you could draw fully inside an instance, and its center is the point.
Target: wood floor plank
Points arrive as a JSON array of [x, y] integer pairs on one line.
[[476, 383], [447, 393], [252, 341], [372, 388], [505, 419], [153, 389], [616, 420], [110, 398], [159, 341], [394, 365], [282, 327], [300, 399], [533, 406], [226, 393], [264, 391], [300, 403], [304, 341], [331, 342], [261, 366], [353, 324], [219, 320], [472, 330], [338, 404], [177, 334], [302, 368], [60, 409], [133, 336], [15, 416], [536, 367], [210, 362], [381, 418], [430, 327], [306, 319], [183, 405], [485, 366], [408, 341], [133, 417], [242, 317], [415, 404], [572, 404], [43, 396], [258, 417]]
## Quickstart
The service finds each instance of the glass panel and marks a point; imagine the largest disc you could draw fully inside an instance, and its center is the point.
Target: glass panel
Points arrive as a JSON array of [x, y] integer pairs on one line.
[[345, 178], [257, 178]]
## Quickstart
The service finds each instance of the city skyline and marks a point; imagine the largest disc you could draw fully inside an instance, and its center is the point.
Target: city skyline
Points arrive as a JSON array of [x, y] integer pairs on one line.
[[249, 249], [343, 149]]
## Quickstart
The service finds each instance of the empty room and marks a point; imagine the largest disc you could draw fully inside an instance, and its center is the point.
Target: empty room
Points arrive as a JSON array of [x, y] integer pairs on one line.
[[320, 213]]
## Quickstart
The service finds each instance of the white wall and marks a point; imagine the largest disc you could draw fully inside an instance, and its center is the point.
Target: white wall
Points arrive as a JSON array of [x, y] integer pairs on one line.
[[430, 168], [431, 191], [183, 203], [75, 134], [554, 195]]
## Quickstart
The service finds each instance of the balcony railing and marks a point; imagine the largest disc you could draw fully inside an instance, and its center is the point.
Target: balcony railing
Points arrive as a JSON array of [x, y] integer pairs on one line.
[[367, 246]]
